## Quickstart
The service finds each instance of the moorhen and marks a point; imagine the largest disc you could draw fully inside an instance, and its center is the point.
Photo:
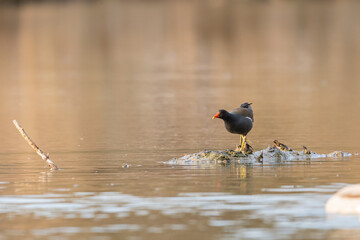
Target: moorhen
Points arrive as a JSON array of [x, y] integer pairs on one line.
[[239, 120]]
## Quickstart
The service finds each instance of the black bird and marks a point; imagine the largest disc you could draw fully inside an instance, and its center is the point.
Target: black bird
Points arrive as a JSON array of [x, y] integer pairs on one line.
[[239, 120]]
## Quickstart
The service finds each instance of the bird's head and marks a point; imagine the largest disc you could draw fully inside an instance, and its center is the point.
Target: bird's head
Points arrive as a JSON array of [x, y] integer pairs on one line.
[[220, 114]]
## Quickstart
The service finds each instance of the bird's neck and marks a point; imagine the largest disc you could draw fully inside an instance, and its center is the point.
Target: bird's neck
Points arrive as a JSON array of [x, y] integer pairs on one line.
[[228, 117]]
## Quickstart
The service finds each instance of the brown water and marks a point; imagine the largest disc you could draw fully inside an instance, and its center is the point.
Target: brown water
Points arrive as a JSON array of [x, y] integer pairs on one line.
[[99, 85]]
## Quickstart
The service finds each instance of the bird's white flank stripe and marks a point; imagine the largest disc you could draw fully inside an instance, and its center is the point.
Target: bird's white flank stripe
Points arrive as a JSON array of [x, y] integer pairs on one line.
[[249, 118]]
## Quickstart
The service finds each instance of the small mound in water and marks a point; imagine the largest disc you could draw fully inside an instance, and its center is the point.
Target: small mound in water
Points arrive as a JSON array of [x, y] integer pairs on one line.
[[274, 154]]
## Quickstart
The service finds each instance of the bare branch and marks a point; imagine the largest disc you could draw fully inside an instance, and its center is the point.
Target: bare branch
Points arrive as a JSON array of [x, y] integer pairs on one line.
[[35, 147]]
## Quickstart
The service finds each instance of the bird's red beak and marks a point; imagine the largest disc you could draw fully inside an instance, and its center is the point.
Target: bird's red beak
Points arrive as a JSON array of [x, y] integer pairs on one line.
[[216, 116]]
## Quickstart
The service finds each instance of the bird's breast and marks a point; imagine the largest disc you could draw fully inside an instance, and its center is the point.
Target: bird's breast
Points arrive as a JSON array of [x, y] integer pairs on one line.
[[239, 126]]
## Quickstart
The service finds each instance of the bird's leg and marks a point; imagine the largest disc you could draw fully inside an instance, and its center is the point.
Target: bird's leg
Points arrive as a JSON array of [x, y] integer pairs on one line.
[[243, 143], [241, 138], [248, 141]]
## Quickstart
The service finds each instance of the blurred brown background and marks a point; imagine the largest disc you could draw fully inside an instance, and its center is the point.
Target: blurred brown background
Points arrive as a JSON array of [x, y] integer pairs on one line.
[[152, 73]]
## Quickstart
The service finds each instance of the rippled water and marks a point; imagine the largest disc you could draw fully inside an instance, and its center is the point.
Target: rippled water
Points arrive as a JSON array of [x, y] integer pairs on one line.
[[102, 84], [219, 213]]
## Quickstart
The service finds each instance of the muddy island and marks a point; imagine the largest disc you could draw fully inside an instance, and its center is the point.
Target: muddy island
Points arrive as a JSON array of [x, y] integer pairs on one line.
[[277, 153]]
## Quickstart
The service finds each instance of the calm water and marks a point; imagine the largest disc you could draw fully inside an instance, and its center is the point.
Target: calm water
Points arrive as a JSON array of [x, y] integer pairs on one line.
[[99, 85]]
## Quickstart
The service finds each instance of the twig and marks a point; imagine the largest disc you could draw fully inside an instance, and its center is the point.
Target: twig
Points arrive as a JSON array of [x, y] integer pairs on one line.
[[36, 148]]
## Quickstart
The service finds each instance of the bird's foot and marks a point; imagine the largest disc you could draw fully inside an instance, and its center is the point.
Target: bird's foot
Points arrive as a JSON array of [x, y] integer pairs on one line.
[[238, 148], [248, 149], [245, 147]]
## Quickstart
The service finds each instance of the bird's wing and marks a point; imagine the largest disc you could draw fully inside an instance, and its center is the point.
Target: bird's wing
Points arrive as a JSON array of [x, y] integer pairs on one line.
[[243, 112]]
